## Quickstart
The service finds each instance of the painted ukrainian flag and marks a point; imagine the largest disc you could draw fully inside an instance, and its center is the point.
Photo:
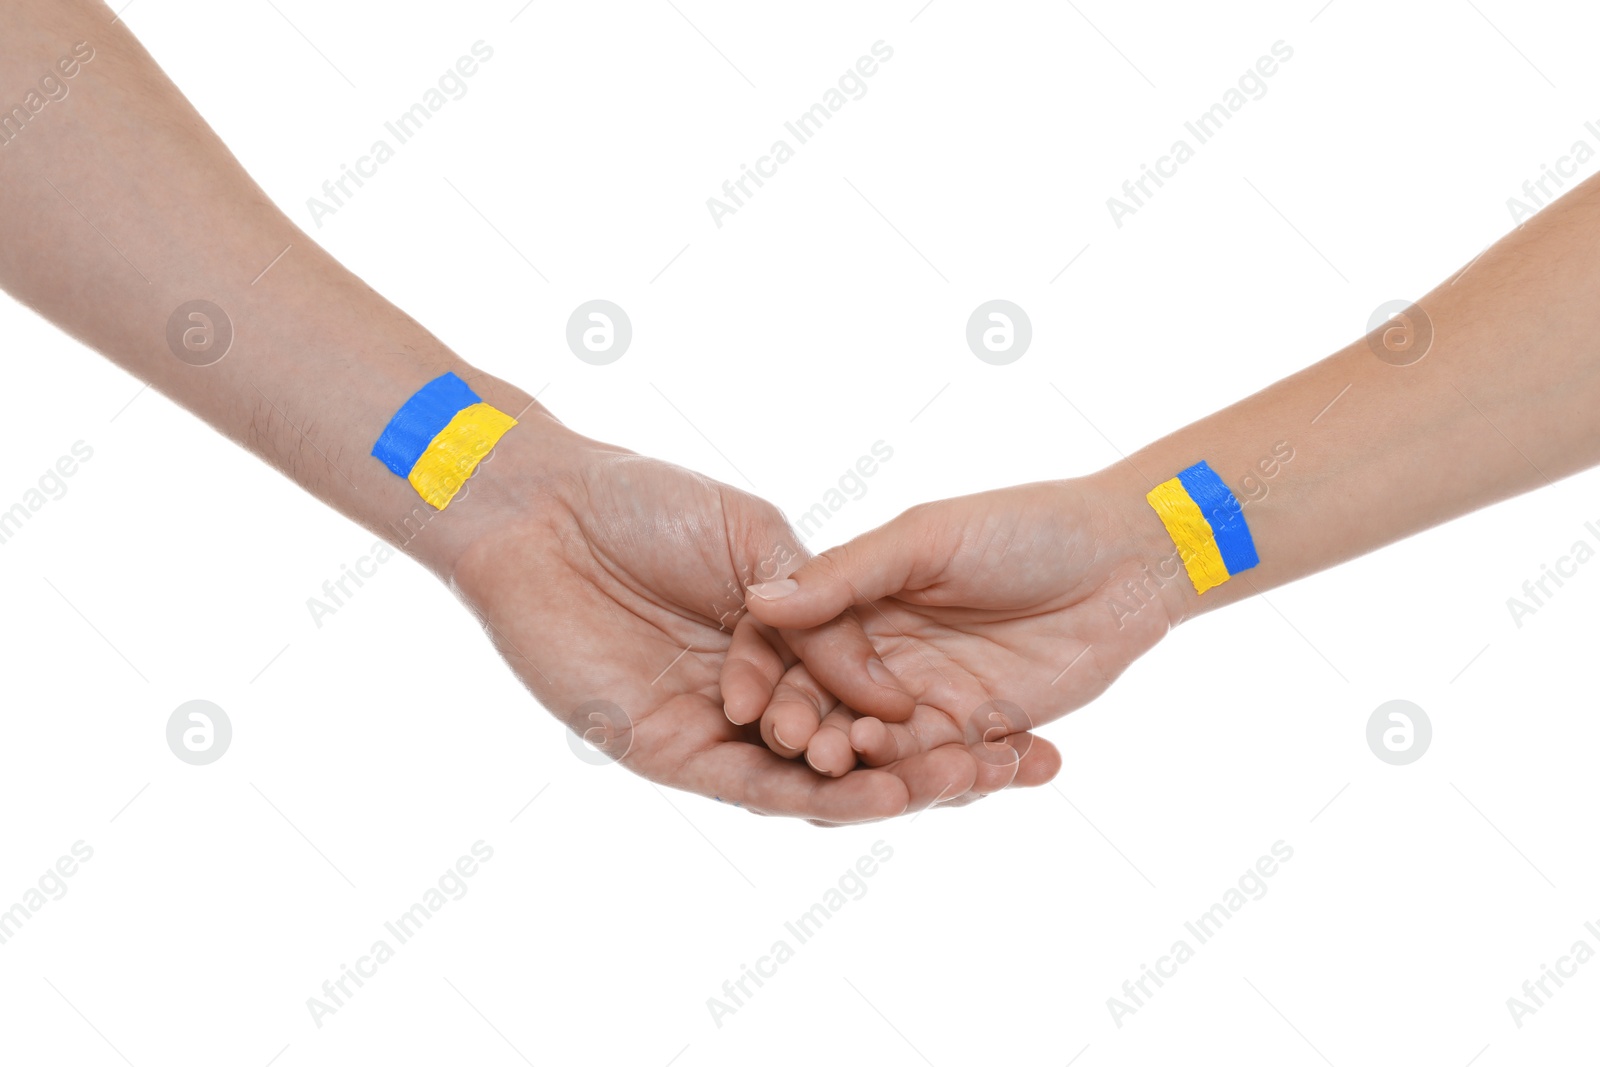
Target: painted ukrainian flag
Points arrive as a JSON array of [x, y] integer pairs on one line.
[[1206, 523], [437, 438]]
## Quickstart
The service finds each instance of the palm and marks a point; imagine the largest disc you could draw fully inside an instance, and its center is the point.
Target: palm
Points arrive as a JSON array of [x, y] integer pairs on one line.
[[614, 601], [1013, 667]]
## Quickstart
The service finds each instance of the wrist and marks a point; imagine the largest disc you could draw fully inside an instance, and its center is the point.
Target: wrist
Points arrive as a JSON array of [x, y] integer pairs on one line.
[[520, 479], [1150, 557]]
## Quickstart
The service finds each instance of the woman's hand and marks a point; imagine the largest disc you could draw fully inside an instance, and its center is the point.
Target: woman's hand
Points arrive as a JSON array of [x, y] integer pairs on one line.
[[998, 612]]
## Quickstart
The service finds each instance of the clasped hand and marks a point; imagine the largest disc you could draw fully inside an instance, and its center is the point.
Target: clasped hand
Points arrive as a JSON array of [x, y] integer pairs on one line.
[[679, 625]]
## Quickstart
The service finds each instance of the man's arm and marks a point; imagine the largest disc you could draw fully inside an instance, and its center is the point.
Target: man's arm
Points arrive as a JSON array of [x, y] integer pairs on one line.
[[118, 204], [606, 579]]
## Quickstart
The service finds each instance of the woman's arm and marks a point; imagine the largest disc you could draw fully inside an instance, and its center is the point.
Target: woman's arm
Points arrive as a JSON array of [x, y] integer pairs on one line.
[[1489, 387], [1040, 595]]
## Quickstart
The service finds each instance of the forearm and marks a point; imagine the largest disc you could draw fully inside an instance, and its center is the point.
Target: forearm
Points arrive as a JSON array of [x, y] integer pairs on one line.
[[118, 204], [1502, 402]]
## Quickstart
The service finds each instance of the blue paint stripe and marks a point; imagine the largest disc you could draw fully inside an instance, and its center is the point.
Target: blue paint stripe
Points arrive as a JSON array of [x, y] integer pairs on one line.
[[1223, 511], [419, 421]]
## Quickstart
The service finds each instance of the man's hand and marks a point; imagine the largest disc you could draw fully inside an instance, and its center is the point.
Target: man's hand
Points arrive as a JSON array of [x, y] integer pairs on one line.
[[612, 587]]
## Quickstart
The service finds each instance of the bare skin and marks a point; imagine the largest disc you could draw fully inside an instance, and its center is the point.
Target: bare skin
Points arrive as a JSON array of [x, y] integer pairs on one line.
[[600, 575], [1490, 390]]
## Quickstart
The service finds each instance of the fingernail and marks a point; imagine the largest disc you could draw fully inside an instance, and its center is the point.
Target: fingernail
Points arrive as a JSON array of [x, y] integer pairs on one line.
[[776, 736], [774, 590], [882, 674]]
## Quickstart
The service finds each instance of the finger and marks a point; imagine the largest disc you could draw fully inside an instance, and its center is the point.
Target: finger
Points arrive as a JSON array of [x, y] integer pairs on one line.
[[688, 745], [1040, 762], [1032, 761], [929, 779], [750, 673], [797, 709], [762, 780], [1002, 756], [841, 657], [874, 741], [963, 800], [1037, 762], [934, 777], [829, 750], [910, 549], [998, 735], [880, 744], [997, 765], [759, 779]]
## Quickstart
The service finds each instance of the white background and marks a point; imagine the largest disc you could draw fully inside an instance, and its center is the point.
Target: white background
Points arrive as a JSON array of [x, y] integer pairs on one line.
[[805, 329]]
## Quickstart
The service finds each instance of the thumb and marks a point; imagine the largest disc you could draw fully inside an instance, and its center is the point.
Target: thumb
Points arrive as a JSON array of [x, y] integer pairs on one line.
[[905, 552]]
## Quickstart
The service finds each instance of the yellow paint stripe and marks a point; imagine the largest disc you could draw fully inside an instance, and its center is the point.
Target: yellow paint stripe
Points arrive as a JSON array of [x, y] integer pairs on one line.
[[452, 456], [1191, 533]]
